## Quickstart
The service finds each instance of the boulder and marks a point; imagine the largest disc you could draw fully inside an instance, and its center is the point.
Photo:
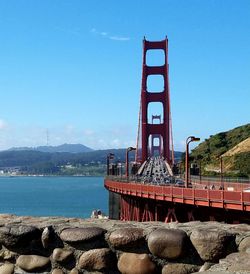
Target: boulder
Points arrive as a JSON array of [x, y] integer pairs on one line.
[[61, 255], [179, 268], [205, 266], [7, 255], [167, 243], [126, 237], [18, 235], [236, 262], [97, 259], [45, 237], [211, 243], [244, 245], [132, 263], [216, 272], [32, 262], [76, 235], [7, 268], [57, 271], [74, 271]]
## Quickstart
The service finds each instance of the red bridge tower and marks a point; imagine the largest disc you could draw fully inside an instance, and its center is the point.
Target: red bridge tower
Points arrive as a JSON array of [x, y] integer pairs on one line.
[[146, 129], [138, 199]]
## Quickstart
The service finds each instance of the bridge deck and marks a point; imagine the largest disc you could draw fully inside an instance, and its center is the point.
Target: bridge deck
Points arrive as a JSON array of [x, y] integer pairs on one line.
[[236, 200]]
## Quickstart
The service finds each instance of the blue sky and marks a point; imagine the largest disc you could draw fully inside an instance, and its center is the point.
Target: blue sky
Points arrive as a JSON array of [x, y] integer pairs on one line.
[[74, 67]]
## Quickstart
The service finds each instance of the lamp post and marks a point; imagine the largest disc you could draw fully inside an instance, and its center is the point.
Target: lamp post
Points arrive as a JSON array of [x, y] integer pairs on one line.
[[200, 170], [188, 141], [180, 167], [221, 172], [127, 159], [110, 156]]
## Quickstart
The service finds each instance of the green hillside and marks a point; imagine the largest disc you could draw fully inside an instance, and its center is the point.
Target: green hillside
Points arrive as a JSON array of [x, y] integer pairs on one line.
[[60, 163], [210, 151]]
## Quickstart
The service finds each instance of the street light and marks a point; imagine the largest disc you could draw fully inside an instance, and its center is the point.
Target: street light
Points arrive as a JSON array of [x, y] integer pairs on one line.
[[221, 172], [188, 141], [127, 159], [110, 156]]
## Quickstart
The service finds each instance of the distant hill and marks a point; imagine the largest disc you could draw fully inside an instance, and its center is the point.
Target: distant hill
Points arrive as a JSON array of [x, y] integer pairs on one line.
[[25, 158], [11, 158], [232, 145], [71, 148], [36, 162], [178, 156]]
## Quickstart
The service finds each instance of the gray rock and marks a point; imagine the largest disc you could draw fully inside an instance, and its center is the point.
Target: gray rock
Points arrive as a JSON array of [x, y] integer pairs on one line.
[[238, 261], [126, 237], [215, 272], [57, 271], [74, 271], [206, 266], [179, 268], [76, 235], [7, 255], [244, 245], [97, 259], [167, 243], [61, 255], [32, 262], [7, 268], [18, 235], [18, 270], [211, 243], [45, 237], [132, 263]]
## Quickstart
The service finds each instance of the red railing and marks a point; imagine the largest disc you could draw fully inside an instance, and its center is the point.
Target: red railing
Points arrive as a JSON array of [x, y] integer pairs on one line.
[[237, 200]]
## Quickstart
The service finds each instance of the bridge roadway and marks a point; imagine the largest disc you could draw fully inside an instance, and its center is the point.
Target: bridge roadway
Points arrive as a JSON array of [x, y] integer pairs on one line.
[[154, 189]]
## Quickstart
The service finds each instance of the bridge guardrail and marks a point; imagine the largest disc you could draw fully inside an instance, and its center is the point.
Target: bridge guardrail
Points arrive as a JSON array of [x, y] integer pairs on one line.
[[237, 200], [196, 182], [214, 178]]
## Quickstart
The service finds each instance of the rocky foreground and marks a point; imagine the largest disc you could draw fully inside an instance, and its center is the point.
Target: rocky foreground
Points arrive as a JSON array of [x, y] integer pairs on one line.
[[69, 245]]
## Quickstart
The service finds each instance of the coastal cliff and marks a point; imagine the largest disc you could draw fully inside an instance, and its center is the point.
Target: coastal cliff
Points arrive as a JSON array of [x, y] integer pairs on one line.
[[70, 245]]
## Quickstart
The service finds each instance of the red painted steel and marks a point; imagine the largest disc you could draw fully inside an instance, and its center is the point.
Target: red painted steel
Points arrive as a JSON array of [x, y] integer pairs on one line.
[[142, 202], [236, 200], [156, 149], [171, 216], [147, 97]]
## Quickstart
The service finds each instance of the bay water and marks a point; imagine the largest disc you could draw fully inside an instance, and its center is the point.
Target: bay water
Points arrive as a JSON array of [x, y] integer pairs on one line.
[[53, 196]]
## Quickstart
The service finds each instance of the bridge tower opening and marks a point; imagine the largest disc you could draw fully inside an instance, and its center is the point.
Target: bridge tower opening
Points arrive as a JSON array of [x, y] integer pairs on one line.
[[156, 139], [147, 130]]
